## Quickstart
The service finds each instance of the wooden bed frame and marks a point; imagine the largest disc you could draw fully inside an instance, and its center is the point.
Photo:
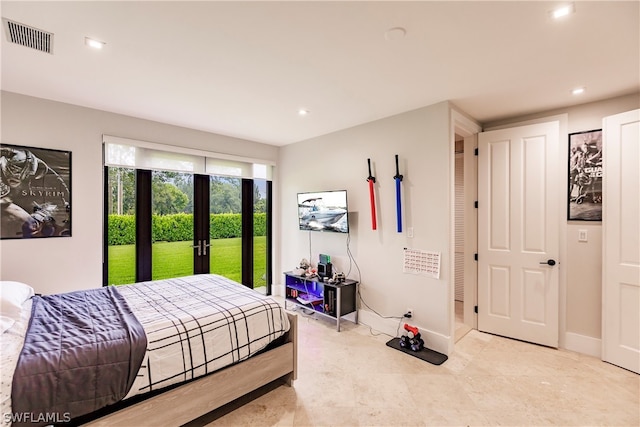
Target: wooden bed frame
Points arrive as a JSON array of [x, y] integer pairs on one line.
[[190, 401]]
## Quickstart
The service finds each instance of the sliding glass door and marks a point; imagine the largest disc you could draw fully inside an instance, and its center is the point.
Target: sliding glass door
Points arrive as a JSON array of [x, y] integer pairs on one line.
[[120, 239], [172, 225], [225, 234], [173, 211], [260, 226], [162, 224]]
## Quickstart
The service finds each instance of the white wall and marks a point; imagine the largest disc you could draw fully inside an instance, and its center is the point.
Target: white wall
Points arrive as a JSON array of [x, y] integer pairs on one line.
[[66, 264], [336, 161], [583, 263], [339, 161]]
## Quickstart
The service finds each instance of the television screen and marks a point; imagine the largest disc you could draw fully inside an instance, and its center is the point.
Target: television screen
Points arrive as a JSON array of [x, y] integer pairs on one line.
[[323, 211]]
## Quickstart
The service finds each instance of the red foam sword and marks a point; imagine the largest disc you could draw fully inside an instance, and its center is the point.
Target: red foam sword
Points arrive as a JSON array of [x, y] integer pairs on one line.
[[371, 180]]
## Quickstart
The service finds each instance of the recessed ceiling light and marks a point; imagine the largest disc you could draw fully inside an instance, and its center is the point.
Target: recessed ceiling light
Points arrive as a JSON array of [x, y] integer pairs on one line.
[[95, 44], [563, 11], [577, 91], [395, 33], [303, 112]]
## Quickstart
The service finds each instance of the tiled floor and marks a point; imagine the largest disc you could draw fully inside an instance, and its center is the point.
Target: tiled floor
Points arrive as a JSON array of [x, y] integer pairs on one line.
[[461, 329], [351, 378]]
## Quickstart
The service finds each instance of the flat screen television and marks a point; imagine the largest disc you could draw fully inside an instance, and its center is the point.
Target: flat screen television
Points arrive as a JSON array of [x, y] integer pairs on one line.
[[323, 211]]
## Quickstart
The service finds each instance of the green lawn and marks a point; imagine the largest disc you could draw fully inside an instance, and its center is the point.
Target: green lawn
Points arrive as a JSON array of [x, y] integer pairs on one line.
[[175, 259]]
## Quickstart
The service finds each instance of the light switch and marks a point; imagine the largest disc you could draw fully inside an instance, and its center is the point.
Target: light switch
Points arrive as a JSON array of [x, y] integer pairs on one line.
[[582, 235], [409, 231]]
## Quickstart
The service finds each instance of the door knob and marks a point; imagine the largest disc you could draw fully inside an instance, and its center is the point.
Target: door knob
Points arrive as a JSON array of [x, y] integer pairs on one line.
[[198, 247], [550, 262]]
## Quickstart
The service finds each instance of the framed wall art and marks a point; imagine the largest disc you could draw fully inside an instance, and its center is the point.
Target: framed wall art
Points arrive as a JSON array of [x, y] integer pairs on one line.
[[35, 192], [585, 176]]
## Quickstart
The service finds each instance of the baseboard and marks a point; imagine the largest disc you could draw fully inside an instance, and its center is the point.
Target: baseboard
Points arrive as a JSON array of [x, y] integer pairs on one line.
[[394, 327], [583, 344]]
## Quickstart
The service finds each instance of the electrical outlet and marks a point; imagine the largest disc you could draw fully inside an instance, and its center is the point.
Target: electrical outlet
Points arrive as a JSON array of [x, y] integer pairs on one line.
[[409, 313]]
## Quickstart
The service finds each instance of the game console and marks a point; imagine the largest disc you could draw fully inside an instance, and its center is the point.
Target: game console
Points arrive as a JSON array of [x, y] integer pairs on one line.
[[324, 266], [324, 269]]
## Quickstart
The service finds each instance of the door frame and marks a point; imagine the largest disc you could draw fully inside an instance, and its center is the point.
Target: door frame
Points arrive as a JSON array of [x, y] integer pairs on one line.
[[467, 127], [201, 223]]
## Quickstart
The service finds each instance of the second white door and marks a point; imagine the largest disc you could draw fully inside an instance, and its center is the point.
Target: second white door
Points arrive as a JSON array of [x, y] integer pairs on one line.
[[518, 225]]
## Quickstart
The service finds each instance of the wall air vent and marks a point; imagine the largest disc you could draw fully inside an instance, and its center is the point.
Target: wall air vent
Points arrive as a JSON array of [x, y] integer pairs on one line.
[[28, 36]]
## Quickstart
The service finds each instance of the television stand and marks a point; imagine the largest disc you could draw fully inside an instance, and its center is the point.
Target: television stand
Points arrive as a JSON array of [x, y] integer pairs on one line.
[[333, 300]]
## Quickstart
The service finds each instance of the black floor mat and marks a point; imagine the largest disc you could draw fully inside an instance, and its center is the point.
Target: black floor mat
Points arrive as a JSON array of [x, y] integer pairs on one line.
[[425, 354]]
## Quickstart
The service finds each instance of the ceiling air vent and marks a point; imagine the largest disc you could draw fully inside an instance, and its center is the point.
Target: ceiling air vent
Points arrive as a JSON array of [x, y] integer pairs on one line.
[[28, 36]]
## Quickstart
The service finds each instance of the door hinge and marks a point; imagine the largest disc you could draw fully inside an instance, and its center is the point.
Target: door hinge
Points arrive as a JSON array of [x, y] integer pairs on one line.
[[475, 309], [475, 204], [475, 151], [475, 257]]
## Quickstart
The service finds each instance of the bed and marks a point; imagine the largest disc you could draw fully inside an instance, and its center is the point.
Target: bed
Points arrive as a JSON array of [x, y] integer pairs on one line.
[[177, 347]]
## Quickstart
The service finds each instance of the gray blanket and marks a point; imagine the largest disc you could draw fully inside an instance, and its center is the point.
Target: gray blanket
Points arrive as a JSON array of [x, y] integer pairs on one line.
[[82, 352]]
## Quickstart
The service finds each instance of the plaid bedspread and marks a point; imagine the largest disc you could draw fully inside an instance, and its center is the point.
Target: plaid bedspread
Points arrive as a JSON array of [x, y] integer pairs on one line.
[[198, 324]]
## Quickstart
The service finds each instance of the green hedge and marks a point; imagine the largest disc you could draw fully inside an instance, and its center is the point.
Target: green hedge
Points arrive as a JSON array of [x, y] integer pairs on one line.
[[171, 228], [178, 227], [122, 230]]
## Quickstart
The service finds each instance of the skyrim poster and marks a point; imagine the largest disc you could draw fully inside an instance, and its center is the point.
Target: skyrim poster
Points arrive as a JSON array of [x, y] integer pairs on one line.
[[35, 192], [585, 176]]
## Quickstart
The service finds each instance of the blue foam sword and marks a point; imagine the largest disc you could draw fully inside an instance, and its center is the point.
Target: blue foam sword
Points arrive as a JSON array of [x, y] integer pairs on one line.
[[398, 179]]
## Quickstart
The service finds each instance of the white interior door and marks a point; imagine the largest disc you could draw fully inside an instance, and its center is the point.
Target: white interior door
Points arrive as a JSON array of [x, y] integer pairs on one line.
[[518, 225], [621, 240]]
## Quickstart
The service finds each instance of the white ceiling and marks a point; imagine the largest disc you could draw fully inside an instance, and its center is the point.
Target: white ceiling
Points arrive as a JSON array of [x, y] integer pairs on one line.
[[245, 68]]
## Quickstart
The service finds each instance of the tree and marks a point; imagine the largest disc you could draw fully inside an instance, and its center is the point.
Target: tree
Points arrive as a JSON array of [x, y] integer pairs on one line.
[[259, 203], [184, 182], [170, 189], [167, 197], [225, 195], [122, 191]]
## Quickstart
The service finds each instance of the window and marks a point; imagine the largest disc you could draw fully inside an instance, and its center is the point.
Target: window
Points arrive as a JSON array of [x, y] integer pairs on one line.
[[172, 213]]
